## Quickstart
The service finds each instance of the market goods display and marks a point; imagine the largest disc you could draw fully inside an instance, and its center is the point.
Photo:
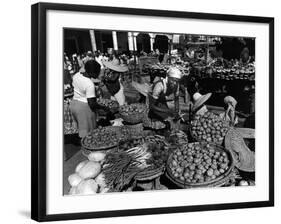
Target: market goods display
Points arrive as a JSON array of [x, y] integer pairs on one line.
[[178, 137], [120, 167], [88, 178], [100, 138], [199, 164], [159, 150], [128, 132], [133, 113], [154, 145], [131, 143], [110, 104], [208, 127]]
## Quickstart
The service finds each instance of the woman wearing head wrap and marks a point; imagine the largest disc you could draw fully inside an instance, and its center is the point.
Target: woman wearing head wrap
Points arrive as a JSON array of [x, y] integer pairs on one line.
[[162, 91]]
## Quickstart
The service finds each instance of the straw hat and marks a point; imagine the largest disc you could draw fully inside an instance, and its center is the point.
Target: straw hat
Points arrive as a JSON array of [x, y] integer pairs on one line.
[[174, 73], [200, 99], [115, 66]]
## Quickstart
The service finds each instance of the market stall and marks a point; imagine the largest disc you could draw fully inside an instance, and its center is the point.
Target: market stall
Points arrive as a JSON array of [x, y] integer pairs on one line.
[[132, 158], [131, 150]]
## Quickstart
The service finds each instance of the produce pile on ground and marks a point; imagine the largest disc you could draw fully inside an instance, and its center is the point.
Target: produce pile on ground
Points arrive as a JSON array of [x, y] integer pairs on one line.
[[111, 104], [88, 178], [209, 127], [133, 113], [99, 138], [198, 163]]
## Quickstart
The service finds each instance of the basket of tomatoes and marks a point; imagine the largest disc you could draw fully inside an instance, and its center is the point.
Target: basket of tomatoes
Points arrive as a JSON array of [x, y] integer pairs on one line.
[[199, 164], [208, 127]]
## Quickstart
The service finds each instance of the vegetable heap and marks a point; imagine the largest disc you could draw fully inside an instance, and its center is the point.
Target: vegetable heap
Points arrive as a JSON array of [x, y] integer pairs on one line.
[[88, 178], [208, 127], [121, 167], [198, 163], [100, 138]]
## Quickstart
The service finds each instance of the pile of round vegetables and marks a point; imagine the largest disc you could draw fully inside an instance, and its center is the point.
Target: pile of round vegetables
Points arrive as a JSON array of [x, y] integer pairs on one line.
[[198, 163], [209, 127], [88, 177], [101, 137]]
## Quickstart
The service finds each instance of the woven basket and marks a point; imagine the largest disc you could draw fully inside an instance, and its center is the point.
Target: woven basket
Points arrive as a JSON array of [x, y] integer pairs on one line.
[[215, 182], [110, 128], [134, 118]]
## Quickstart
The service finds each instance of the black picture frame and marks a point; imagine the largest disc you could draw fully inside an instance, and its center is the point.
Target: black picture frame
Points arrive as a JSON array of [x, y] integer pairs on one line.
[[39, 123]]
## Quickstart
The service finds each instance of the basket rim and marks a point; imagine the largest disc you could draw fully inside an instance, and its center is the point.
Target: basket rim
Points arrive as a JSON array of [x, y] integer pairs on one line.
[[187, 184]]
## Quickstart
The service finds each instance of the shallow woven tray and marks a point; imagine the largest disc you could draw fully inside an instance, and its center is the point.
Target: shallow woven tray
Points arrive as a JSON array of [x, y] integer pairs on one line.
[[183, 184], [111, 128]]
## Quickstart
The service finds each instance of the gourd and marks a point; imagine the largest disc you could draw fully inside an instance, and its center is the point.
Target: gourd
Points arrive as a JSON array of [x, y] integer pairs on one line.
[[73, 191], [87, 187], [96, 156], [80, 165], [74, 179], [90, 170]]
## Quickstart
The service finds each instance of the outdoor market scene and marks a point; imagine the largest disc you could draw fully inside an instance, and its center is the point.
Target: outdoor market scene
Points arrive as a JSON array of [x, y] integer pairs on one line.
[[154, 111]]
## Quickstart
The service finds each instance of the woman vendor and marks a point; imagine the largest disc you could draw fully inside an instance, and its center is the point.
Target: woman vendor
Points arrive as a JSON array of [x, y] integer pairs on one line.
[[84, 103], [164, 90], [112, 72]]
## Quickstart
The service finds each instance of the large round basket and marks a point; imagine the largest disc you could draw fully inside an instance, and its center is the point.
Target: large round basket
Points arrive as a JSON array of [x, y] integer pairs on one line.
[[107, 147], [219, 181], [98, 148]]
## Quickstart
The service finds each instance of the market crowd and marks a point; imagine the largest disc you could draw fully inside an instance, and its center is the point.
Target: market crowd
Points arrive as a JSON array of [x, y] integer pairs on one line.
[[88, 76]]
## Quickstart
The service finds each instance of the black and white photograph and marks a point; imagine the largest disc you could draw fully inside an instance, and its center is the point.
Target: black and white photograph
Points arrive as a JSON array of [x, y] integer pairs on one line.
[[153, 111], [149, 111]]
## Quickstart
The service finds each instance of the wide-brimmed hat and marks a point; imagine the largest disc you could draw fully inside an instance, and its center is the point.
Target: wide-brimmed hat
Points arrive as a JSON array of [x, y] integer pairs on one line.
[[115, 66], [174, 73], [200, 99]]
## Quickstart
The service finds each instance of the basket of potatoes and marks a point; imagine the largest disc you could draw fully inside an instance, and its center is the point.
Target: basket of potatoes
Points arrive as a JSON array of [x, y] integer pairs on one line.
[[133, 113], [199, 164], [208, 127]]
